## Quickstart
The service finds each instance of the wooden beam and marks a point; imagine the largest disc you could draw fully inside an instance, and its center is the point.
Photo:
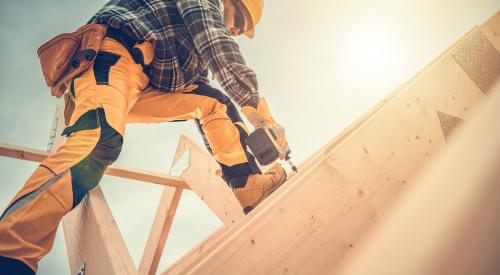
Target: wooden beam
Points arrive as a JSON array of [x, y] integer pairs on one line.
[[161, 225], [24, 153], [202, 174], [93, 240], [159, 232], [194, 254], [152, 177], [198, 251], [322, 213], [213, 190], [491, 29], [214, 240], [451, 214]]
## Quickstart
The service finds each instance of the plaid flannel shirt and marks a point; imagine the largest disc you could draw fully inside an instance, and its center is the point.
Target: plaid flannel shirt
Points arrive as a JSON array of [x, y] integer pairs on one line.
[[189, 37]]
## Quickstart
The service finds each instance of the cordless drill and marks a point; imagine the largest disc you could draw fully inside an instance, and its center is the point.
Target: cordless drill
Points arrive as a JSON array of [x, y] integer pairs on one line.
[[262, 143]]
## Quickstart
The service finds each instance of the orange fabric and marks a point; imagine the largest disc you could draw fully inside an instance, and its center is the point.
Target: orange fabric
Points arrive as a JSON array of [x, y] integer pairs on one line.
[[28, 233], [126, 81], [77, 147], [222, 135]]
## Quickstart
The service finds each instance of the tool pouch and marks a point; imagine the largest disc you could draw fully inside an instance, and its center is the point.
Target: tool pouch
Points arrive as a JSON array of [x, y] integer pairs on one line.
[[69, 54]]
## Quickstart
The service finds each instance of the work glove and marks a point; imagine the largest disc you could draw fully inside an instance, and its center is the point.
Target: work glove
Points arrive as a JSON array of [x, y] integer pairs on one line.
[[261, 117]]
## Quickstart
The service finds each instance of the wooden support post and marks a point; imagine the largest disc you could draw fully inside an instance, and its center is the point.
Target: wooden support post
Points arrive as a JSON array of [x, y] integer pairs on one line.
[[92, 237], [201, 173], [162, 224], [94, 240], [203, 176], [159, 232], [451, 215]]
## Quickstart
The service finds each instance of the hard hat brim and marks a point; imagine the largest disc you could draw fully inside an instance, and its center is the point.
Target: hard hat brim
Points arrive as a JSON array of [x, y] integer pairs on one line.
[[254, 10], [250, 33]]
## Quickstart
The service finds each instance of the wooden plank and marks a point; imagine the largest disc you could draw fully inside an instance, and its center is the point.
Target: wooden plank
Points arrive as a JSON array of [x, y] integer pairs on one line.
[[198, 251], [159, 232], [451, 214], [214, 192], [151, 177], [162, 223], [213, 239], [196, 157], [206, 246], [310, 224], [491, 29], [24, 153], [189, 259], [93, 238], [202, 175]]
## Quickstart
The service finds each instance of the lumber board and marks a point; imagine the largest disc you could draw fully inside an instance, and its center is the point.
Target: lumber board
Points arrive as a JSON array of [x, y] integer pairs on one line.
[[192, 256], [162, 223], [213, 240], [451, 214], [198, 251], [93, 241], [491, 29], [205, 247], [311, 223], [146, 176], [209, 187], [24, 153], [158, 235], [203, 175]]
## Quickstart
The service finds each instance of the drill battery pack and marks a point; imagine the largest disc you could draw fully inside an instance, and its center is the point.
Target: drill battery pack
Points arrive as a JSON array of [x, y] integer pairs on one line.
[[263, 146]]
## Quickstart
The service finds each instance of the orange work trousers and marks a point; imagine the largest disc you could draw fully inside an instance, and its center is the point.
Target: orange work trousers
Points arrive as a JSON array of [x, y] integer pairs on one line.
[[107, 96]]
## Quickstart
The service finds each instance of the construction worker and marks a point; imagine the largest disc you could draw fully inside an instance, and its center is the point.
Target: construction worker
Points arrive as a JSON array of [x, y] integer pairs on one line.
[[151, 67]]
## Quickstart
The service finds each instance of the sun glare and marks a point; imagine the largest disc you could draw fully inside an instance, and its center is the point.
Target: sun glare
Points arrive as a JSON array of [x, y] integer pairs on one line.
[[371, 54]]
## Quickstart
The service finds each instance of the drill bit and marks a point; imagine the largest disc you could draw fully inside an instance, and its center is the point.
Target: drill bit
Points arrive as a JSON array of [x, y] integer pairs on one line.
[[287, 158], [294, 168]]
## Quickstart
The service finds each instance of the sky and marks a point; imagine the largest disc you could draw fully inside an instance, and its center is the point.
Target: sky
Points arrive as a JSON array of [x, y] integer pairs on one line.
[[320, 65]]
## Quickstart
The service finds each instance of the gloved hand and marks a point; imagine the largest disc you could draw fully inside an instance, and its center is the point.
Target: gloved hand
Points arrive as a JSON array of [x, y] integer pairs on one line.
[[261, 117]]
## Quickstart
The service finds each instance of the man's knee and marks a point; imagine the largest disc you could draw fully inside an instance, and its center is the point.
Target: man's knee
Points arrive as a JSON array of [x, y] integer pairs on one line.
[[221, 103], [87, 173]]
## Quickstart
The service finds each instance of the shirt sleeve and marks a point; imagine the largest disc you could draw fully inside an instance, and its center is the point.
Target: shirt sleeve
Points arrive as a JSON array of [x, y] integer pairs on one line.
[[205, 22]]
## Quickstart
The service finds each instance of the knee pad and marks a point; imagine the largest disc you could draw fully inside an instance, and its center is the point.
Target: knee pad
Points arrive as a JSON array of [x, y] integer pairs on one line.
[[87, 173]]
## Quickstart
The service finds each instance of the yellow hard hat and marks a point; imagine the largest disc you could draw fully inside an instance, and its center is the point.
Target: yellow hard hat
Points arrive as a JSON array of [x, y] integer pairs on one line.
[[254, 8]]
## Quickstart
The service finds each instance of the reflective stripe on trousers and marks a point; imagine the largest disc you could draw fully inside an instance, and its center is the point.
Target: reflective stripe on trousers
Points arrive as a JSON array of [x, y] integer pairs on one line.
[[103, 96]]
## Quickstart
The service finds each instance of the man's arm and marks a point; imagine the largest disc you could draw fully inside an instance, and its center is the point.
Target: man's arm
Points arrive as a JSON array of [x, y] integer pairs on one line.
[[205, 22]]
